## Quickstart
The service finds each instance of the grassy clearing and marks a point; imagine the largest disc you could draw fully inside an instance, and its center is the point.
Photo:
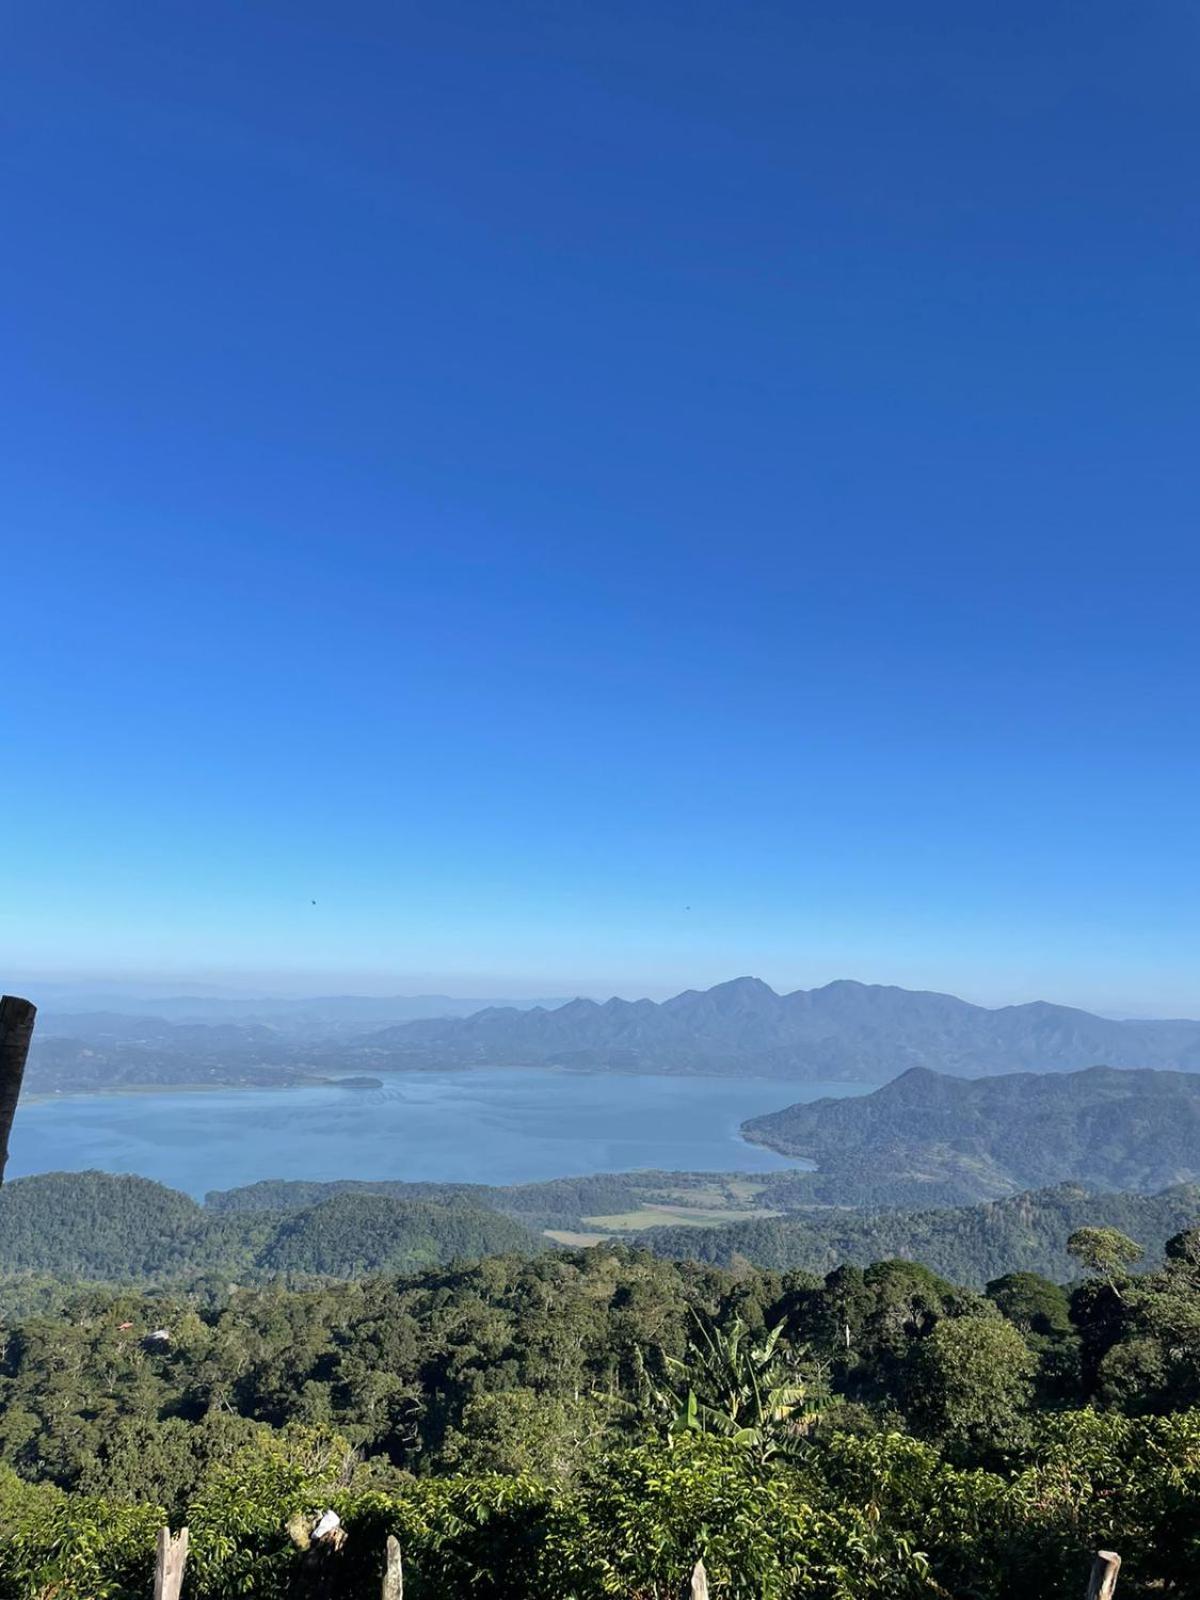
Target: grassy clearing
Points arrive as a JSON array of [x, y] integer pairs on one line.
[[726, 1194], [688, 1204], [653, 1215]]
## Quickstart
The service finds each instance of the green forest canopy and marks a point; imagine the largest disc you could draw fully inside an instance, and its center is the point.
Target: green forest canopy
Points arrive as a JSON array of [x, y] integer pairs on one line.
[[587, 1423]]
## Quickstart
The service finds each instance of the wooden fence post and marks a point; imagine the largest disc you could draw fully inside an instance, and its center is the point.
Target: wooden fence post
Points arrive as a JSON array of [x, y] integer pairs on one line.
[[16, 1030], [1103, 1581], [393, 1572], [169, 1563], [698, 1587]]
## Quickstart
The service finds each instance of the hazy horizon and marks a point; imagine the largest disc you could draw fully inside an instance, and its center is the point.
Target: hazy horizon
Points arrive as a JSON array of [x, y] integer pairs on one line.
[[494, 988]]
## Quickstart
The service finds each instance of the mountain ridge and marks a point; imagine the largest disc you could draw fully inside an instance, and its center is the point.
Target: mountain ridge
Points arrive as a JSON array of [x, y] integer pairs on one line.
[[843, 1030]]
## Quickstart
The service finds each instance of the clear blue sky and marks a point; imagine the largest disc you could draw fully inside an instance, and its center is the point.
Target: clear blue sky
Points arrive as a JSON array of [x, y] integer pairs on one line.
[[603, 496]]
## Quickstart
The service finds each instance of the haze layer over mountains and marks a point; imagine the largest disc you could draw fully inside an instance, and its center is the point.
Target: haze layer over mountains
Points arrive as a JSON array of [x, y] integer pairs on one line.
[[844, 1031]]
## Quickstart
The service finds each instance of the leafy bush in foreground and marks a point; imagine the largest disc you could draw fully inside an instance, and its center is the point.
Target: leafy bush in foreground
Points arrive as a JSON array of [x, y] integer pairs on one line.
[[852, 1519]]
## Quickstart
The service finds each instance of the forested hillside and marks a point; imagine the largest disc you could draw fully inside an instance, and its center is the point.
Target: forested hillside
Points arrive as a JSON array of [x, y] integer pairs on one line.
[[940, 1140], [97, 1228], [590, 1423], [552, 1203], [971, 1244]]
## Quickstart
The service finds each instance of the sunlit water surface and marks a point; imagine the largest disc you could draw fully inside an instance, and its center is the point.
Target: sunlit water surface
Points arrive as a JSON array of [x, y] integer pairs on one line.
[[492, 1125]]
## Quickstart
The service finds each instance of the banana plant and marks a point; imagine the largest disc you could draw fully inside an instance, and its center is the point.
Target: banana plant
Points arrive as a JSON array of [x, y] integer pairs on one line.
[[755, 1393]]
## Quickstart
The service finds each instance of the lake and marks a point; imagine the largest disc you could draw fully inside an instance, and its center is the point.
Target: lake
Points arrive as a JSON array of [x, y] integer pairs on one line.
[[491, 1125]]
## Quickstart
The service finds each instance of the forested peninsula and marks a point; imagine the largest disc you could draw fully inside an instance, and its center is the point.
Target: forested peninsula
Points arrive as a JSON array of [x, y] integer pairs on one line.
[[926, 1138]]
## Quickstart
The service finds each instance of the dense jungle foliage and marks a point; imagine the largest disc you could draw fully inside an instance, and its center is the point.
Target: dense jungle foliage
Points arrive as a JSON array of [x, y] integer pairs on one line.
[[589, 1423]]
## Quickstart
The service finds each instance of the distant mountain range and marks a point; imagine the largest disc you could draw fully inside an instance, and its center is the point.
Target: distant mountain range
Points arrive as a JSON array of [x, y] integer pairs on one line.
[[845, 1031], [103, 1050], [311, 1017], [927, 1138], [182, 1041]]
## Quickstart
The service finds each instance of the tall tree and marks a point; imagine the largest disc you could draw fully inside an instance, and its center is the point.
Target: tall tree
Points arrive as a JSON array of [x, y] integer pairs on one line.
[[1106, 1251]]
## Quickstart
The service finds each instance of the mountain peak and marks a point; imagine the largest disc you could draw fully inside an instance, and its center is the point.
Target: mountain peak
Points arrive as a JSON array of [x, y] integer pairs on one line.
[[742, 986], [847, 1031], [741, 994]]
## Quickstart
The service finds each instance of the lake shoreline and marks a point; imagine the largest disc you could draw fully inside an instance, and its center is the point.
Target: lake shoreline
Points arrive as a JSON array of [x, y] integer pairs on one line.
[[491, 1126], [57, 1096]]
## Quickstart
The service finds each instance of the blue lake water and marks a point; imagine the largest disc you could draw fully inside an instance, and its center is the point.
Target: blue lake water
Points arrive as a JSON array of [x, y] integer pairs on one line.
[[493, 1125]]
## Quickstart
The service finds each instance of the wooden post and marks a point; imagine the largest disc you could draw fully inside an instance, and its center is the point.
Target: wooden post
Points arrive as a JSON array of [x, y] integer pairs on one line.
[[1103, 1581], [169, 1564], [698, 1588], [393, 1573], [16, 1030]]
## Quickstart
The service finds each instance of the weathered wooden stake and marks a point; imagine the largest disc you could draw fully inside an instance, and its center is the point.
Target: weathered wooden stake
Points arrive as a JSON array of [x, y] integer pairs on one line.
[[1103, 1581], [16, 1030], [698, 1588], [393, 1573], [169, 1564]]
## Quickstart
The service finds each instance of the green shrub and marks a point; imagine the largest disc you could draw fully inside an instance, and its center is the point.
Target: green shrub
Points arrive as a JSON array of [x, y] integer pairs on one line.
[[73, 1547]]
